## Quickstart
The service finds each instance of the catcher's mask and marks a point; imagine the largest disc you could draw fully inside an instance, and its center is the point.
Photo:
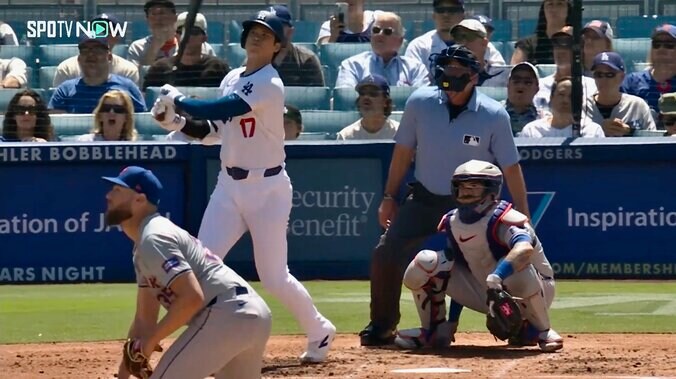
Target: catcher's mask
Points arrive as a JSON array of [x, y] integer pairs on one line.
[[471, 209]]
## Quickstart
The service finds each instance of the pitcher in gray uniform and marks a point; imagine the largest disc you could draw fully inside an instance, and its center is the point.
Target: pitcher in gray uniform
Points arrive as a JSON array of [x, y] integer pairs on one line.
[[228, 322], [490, 245]]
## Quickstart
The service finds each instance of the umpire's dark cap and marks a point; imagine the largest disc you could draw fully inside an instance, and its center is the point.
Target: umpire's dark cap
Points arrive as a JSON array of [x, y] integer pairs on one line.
[[140, 180], [460, 54]]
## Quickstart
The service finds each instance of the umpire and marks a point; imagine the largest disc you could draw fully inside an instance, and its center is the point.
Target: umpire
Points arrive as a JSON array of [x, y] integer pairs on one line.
[[443, 127]]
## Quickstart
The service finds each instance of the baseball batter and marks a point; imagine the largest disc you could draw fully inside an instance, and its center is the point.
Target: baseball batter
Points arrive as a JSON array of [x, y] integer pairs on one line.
[[253, 191], [491, 246], [174, 270]]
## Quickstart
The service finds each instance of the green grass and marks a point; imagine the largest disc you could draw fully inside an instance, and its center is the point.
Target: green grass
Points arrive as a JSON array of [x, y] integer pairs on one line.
[[103, 311]]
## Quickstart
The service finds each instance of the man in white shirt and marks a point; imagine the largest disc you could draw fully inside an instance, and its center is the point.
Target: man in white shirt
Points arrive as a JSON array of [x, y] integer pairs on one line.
[[492, 54], [560, 122], [387, 36], [357, 27], [375, 106], [619, 114], [12, 73]]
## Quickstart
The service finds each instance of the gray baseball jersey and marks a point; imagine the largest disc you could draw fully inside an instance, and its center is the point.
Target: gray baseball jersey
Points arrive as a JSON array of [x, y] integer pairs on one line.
[[231, 307]]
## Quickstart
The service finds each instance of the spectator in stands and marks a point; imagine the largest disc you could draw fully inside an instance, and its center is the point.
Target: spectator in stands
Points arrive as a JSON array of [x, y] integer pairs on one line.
[[447, 13], [493, 56], [597, 37], [667, 104], [661, 77], [13, 73], [293, 123], [7, 35], [562, 42], [162, 41], [297, 66], [195, 69], [201, 22], [82, 94], [560, 122], [538, 48], [70, 68], [472, 34], [113, 119], [375, 106], [619, 114], [521, 88], [383, 59], [27, 119], [357, 28]]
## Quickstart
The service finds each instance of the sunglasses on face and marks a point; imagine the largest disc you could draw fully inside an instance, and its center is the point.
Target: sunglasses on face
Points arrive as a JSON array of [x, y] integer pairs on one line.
[[607, 75], [465, 36], [669, 121], [371, 92], [525, 81], [449, 10], [663, 44], [26, 109], [119, 109], [195, 31], [378, 30]]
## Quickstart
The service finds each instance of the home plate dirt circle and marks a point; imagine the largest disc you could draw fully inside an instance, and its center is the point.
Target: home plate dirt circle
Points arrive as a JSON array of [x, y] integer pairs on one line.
[[430, 370]]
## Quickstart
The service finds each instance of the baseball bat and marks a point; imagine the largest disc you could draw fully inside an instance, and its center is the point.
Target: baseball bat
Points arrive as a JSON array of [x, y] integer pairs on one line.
[[193, 9]]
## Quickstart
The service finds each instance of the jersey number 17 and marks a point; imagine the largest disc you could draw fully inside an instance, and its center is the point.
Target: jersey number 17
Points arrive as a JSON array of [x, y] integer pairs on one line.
[[248, 126]]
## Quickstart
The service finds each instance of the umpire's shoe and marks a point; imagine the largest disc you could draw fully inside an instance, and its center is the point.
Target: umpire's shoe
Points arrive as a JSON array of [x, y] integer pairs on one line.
[[374, 336]]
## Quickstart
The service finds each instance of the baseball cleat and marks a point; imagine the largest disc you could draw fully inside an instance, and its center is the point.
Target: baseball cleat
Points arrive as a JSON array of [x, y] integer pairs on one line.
[[375, 336], [550, 341], [318, 350], [411, 339]]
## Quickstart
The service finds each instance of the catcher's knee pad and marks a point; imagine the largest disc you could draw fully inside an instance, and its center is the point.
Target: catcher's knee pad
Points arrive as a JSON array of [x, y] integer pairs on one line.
[[425, 265]]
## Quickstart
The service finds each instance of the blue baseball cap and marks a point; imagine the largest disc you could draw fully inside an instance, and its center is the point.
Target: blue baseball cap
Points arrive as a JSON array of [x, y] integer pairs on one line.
[[376, 81], [610, 59], [87, 37], [106, 17], [665, 28], [140, 180], [283, 13], [486, 21]]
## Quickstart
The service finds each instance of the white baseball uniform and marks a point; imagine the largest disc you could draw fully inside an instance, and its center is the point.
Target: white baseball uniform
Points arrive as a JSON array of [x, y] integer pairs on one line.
[[231, 307], [253, 192]]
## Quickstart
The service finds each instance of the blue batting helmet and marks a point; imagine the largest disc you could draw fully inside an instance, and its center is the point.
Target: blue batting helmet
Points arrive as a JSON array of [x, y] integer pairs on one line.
[[267, 19]]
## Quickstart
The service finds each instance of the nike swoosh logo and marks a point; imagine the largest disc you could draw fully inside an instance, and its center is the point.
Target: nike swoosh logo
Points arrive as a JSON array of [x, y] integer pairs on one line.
[[466, 239], [325, 342]]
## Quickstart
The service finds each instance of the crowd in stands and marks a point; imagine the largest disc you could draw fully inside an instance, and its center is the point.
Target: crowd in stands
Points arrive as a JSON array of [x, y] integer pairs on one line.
[[533, 84]]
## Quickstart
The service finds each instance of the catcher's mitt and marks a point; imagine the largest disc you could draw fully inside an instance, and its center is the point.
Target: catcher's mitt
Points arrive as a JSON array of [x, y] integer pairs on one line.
[[504, 315], [134, 360]]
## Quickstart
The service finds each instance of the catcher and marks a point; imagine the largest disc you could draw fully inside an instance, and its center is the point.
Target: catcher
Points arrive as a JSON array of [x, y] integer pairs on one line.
[[493, 254], [174, 270]]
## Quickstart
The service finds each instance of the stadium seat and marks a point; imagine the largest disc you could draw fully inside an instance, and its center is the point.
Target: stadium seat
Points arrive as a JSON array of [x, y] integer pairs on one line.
[[306, 31], [330, 122], [315, 136], [234, 31], [527, 27], [632, 50], [344, 98], [649, 133], [234, 54], [53, 55], [121, 49], [218, 50], [147, 126], [215, 32], [152, 93], [638, 26], [308, 45], [72, 124], [305, 98], [7, 94], [46, 76], [642, 66], [25, 53], [497, 93], [507, 51], [333, 54], [139, 29], [503, 30], [546, 69]]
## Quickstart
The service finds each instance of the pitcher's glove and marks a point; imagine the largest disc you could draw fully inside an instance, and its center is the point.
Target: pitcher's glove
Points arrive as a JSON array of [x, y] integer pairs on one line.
[[504, 315], [134, 360]]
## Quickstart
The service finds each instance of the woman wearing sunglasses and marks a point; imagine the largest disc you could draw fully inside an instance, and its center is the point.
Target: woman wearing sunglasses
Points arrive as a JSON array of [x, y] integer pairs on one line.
[[27, 119], [113, 119]]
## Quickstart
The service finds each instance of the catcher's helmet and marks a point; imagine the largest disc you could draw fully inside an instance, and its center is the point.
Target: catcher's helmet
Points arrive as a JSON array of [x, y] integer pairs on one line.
[[267, 19], [456, 52], [475, 170]]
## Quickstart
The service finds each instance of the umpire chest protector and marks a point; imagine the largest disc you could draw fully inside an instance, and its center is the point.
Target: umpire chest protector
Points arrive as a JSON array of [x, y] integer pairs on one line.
[[478, 244]]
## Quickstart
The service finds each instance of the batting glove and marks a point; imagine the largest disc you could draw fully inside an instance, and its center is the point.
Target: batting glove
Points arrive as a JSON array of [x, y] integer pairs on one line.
[[166, 116], [169, 94], [494, 282]]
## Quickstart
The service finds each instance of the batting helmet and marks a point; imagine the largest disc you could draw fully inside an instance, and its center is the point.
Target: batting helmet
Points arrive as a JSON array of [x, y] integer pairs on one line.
[[267, 19], [456, 52], [475, 170]]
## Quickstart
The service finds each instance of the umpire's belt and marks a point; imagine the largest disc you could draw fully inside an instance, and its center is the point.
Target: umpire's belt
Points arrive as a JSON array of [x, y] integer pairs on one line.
[[238, 173], [239, 290]]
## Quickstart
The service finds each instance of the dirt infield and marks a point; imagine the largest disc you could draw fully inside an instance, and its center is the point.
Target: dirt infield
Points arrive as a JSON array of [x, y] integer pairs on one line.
[[583, 356]]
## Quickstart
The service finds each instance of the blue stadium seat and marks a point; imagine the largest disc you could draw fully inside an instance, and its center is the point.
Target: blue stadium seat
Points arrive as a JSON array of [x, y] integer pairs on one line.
[[234, 31], [507, 51], [152, 93], [527, 27], [46, 76], [503, 30], [147, 126], [497, 93], [632, 50], [308, 45], [218, 49], [305, 98], [411, 30], [7, 94], [344, 98], [215, 32], [121, 49], [53, 55], [139, 29], [330, 122], [306, 31], [546, 69], [315, 136], [639, 27], [25, 53], [234, 54], [72, 124], [333, 54]]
